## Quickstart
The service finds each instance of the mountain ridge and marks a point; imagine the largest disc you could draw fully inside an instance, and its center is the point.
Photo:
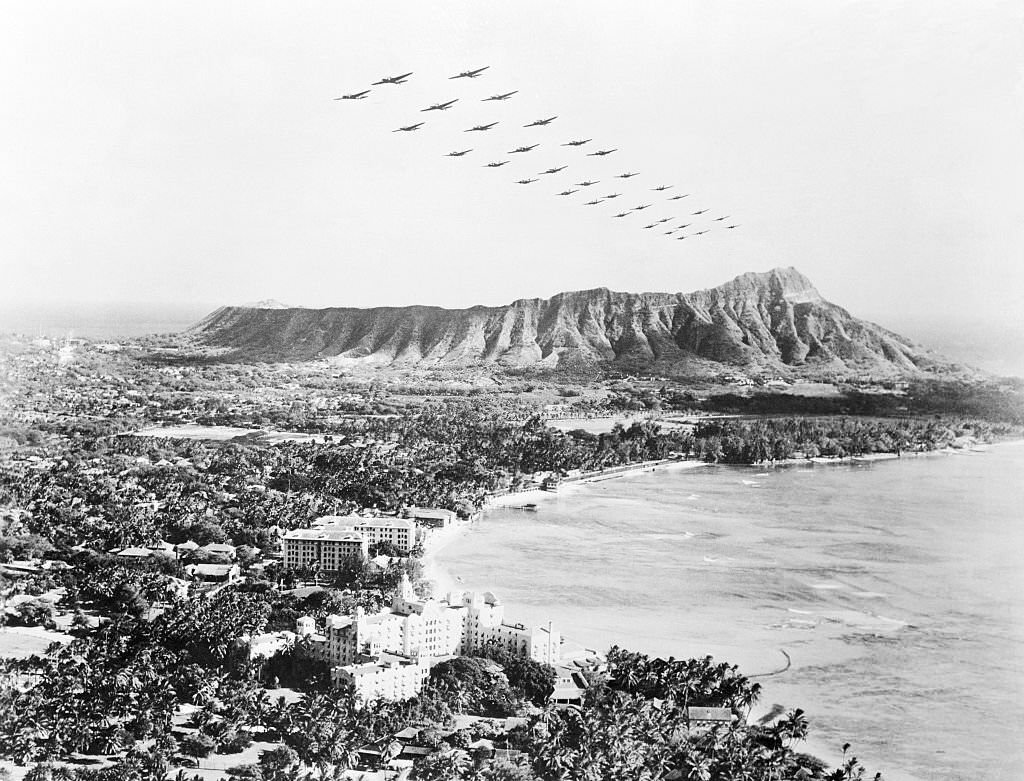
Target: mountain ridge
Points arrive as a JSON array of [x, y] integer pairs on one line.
[[774, 321]]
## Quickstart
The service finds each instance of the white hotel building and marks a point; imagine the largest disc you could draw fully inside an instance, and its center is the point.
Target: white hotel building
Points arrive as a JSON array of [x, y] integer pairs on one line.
[[417, 629], [326, 547], [401, 532]]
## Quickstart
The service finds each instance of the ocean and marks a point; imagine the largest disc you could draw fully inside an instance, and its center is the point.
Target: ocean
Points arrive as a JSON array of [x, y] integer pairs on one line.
[[895, 587], [117, 320]]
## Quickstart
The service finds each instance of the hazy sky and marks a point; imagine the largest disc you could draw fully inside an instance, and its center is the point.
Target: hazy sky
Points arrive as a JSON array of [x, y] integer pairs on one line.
[[191, 151]]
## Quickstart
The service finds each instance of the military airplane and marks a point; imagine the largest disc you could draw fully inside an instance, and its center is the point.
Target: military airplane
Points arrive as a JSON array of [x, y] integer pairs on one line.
[[594, 202], [568, 192], [526, 181], [664, 220], [496, 165], [719, 219], [355, 95], [502, 96], [641, 208], [602, 152], [678, 197], [470, 74], [586, 183], [441, 106], [621, 214], [684, 225], [539, 122], [700, 233], [680, 238], [627, 175], [669, 233], [480, 127], [661, 188], [407, 128], [394, 79], [552, 170], [701, 212], [730, 227], [646, 227], [523, 149], [580, 142], [459, 154], [613, 195]]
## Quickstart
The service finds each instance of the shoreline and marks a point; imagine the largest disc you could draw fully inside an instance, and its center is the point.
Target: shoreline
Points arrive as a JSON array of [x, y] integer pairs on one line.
[[442, 581]]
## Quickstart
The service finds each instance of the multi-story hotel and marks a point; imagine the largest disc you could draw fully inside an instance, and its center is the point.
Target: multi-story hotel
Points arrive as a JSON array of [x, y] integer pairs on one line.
[[464, 623], [326, 547], [400, 532]]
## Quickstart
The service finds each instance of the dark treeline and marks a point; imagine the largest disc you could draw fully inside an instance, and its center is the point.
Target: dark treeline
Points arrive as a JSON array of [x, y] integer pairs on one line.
[[995, 401]]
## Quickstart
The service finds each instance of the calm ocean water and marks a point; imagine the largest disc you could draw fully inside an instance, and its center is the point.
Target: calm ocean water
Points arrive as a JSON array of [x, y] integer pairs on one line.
[[100, 321], [896, 587]]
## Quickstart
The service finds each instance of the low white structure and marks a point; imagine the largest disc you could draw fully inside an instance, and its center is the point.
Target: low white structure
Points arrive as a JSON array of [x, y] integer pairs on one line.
[[385, 677], [432, 517]]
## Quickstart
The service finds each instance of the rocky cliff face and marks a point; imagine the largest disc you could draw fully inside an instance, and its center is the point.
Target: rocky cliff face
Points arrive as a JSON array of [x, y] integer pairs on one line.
[[772, 321]]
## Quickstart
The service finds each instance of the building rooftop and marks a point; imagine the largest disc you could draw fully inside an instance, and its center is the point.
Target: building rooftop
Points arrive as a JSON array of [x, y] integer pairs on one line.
[[332, 535], [709, 714], [431, 512]]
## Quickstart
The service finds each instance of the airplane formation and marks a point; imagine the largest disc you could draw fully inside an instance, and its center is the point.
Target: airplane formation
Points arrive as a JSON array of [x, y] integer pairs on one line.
[[712, 223]]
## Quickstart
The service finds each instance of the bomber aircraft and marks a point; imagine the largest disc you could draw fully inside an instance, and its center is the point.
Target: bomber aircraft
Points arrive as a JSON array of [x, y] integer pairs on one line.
[[553, 170], [719, 219], [355, 95], [480, 127], [621, 214], [394, 79], [613, 195], [678, 197], [523, 149], [459, 154], [662, 187], [646, 227], [496, 165], [684, 225], [701, 212], [503, 96], [602, 152], [641, 208], [539, 122], [568, 192], [470, 74], [627, 175], [407, 128], [730, 227], [441, 106], [526, 181], [587, 183], [594, 202], [580, 142]]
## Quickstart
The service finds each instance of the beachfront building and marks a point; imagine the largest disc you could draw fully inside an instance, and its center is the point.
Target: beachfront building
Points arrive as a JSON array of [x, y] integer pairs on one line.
[[464, 623], [400, 532], [432, 517], [326, 548]]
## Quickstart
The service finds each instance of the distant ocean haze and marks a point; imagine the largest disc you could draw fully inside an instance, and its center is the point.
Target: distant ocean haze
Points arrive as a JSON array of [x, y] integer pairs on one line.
[[110, 320]]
